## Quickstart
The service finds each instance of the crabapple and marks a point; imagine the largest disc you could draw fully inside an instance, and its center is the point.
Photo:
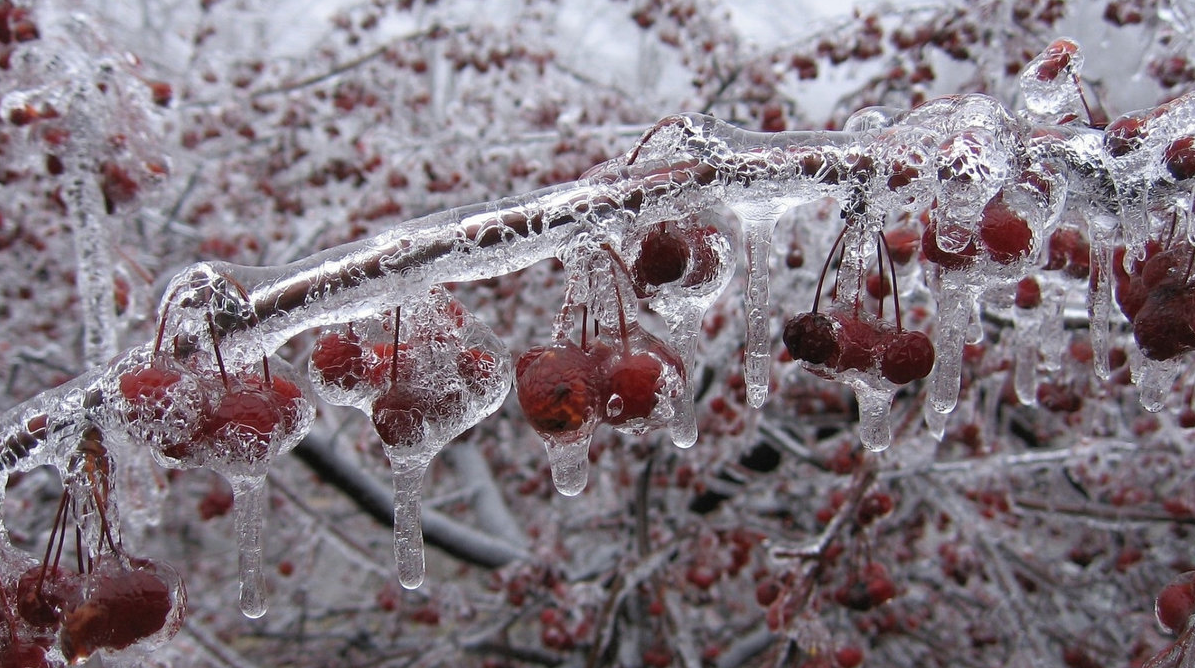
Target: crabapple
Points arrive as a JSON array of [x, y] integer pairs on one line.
[[398, 415], [43, 593], [908, 357], [1179, 158], [1176, 603], [558, 386], [636, 380], [340, 359], [1005, 235], [663, 257], [122, 606], [811, 337]]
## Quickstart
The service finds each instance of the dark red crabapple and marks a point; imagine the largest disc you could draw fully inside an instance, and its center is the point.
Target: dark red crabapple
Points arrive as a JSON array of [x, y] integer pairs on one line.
[[398, 415], [663, 257], [859, 341], [558, 387], [1176, 603], [908, 356], [1055, 59], [811, 337], [123, 607], [636, 379], [1028, 293], [340, 359], [1179, 158], [1005, 235], [1124, 135], [148, 389], [952, 260], [44, 593]]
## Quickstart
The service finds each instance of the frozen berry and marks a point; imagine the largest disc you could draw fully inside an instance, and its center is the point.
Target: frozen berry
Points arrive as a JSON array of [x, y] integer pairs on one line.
[[398, 415], [1123, 136], [1176, 603], [44, 593], [811, 337], [663, 257], [908, 357], [339, 359], [634, 383], [1179, 158], [558, 387], [1028, 293], [1005, 234], [122, 608]]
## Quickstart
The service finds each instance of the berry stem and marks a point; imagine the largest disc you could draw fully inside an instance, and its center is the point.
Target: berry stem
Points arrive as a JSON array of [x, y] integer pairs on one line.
[[1083, 99], [59, 524], [821, 279], [211, 328], [892, 271]]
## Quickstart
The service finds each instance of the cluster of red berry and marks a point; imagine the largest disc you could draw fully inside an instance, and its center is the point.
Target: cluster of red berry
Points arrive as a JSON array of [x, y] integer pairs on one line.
[[447, 372], [118, 604], [233, 422], [566, 389], [846, 338], [1156, 295]]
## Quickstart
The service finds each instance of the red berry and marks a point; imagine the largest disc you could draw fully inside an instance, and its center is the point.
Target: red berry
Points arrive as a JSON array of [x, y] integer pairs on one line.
[[148, 388], [1176, 603], [398, 415], [663, 257], [848, 657], [340, 359], [953, 260], [1055, 59], [872, 507], [1163, 325], [1179, 158], [116, 185], [1005, 234], [878, 286], [1124, 135], [1028, 293], [811, 337], [903, 243], [122, 608], [858, 340], [767, 591], [161, 92], [42, 600], [908, 357], [242, 426], [558, 388], [636, 380]]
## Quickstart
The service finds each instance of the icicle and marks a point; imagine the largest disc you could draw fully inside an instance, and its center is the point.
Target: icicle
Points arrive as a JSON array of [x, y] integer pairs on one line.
[[1154, 380], [1099, 299], [758, 223], [935, 423], [684, 329], [954, 311], [249, 500], [407, 475], [875, 405], [1028, 323], [569, 461], [1052, 332]]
